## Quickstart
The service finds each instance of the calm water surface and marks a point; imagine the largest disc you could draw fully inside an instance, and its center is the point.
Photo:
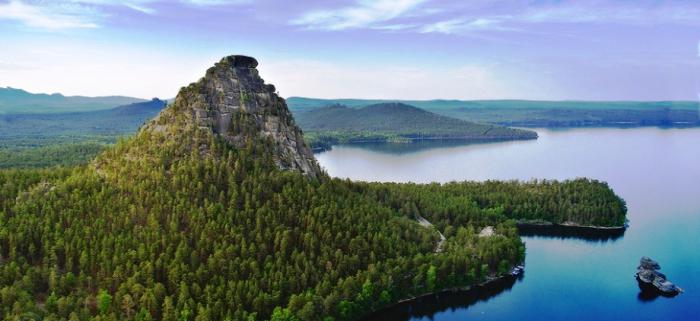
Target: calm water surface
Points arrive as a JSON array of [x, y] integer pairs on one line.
[[657, 171]]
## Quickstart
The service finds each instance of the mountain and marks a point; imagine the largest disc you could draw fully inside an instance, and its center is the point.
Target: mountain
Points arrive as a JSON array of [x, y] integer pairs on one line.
[[529, 113], [117, 121], [217, 210], [18, 101], [394, 122], [237, 105]]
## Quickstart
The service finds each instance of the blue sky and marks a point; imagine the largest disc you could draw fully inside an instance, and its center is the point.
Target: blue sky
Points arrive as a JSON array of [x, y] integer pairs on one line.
[[401, 49]]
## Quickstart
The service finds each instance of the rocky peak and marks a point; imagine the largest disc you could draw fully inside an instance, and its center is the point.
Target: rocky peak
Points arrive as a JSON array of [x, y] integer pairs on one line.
[[232, 101]]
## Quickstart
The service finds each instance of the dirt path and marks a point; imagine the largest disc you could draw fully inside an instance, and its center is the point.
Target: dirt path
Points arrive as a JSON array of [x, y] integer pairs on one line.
[[423, 222]]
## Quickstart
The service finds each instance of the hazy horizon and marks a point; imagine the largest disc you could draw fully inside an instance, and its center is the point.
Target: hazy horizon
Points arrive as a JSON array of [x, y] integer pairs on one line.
[[363, 98], [387, 49]]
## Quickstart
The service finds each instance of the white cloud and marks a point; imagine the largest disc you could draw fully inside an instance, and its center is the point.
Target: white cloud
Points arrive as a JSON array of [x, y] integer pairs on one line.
[[144, 5], [460, 25], [215, 2], [332, 80], [364, 14], [52, 17], [77, 14]]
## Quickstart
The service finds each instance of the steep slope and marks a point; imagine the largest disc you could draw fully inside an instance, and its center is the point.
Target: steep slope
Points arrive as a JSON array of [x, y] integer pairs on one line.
[[395, 122], [14, 101], [197, 218], [234, 103]]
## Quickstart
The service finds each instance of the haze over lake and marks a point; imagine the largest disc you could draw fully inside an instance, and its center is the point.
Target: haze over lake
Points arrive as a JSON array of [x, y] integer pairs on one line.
[[655, 170]]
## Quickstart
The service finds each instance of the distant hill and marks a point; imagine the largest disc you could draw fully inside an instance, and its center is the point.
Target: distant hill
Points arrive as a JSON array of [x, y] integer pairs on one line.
[[40, 140], [303, 103], [393, 122], [120, 120], [18, 101], [528, 113]]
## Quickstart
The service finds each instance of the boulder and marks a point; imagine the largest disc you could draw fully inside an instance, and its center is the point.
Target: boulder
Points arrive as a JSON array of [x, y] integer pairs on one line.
[[487, 232], [649, 264], [650, 278]]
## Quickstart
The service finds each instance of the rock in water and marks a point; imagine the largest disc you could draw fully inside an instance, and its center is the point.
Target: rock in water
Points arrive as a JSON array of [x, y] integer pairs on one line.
[[649, 264], [234, 103], [650, 278]]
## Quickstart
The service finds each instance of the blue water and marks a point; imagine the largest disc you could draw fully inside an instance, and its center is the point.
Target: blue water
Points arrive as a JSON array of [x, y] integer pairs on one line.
[[657, 171]]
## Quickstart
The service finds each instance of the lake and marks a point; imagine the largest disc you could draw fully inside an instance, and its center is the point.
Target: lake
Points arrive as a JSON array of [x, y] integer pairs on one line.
[[567, 277]]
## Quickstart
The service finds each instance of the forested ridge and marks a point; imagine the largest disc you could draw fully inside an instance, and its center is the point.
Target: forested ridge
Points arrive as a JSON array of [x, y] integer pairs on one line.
[[394, 122], [179, 223], [536, 114], [68, 139]]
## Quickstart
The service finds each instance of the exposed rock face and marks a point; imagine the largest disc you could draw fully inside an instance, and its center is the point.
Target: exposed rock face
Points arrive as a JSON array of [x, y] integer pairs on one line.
[[233, 102], [649, 277], [487, 232]]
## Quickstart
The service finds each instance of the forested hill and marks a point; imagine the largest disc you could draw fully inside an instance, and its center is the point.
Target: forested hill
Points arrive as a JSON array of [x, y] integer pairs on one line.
[[48, 139], [120, 120], [17, 101], [529, 113], [216, 210], [394, 122]]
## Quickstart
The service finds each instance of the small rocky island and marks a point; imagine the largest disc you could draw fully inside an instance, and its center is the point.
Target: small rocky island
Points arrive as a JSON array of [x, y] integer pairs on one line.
[[650, 279]]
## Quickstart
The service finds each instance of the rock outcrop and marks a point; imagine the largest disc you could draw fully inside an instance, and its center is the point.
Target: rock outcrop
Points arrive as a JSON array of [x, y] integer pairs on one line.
[[487, 232], [233, 102], [650, 278]]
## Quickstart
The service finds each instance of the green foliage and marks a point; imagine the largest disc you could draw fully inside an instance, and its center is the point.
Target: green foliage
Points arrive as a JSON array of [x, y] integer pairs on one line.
[[47, 156], [394, 123], [431, 278], [67, 139], [280, 314], [188, 227], [104, 302]]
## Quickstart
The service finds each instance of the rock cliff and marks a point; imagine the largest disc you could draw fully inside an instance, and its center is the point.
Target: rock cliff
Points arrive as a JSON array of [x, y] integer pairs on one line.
[[234, 103]]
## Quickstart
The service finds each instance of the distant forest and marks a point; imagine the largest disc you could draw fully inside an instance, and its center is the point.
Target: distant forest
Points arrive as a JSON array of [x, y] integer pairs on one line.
[[394, 122], [47, 139], [525, 113]]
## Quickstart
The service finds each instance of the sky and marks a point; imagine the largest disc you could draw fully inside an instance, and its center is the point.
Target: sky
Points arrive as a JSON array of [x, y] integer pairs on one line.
[[390, 49]]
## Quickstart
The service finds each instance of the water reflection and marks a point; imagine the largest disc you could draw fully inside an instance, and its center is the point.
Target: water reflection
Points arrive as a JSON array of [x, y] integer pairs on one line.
[[429, 306], [419, 146], [568, 232], [648, 292]]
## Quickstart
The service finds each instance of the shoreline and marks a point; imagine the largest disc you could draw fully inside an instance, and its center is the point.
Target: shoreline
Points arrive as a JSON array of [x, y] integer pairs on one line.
[[583, 232], [610, 232], [525, 224], [491, 281], [408, 140]]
